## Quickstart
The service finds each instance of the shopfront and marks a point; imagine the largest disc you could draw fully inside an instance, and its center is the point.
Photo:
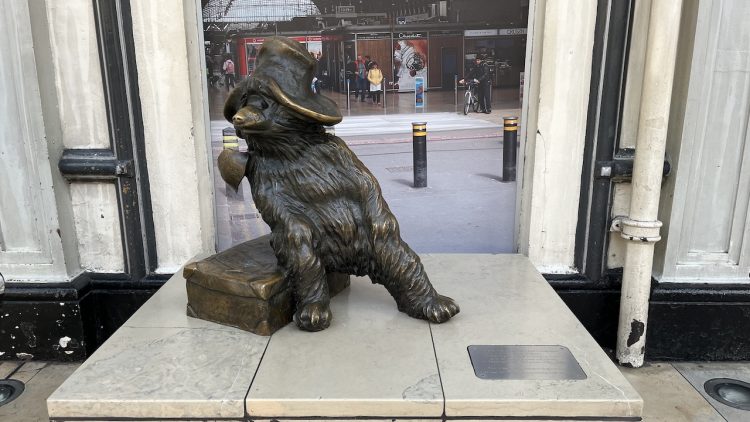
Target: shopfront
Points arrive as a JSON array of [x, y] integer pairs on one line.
[[503, 49], [438, 55]]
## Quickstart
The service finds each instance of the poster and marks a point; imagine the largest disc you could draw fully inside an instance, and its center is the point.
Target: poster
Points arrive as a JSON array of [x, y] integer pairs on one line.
[[315, 46], [409, 62], [419, 91]]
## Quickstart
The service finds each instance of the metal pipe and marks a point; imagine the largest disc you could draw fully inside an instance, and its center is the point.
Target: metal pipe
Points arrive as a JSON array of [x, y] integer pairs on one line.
[[641, 227], [419, 148], [455, 92], [385, 94], [348, 94], [510, 142]]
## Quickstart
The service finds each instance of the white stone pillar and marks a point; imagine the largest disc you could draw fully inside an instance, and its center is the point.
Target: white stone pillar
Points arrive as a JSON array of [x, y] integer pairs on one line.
[[554, 141]]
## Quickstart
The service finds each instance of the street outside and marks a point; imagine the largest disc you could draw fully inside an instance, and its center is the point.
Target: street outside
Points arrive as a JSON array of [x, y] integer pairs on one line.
[[466, 208]]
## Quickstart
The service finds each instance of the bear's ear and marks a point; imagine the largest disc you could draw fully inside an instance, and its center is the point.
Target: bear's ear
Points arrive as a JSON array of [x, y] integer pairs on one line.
[[234, 102]]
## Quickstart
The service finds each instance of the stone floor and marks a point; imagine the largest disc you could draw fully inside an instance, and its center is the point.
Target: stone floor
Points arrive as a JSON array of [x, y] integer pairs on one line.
[[668, 395]]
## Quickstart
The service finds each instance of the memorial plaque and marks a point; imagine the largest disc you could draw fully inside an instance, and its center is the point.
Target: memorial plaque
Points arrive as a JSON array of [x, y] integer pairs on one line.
[[499, 362]]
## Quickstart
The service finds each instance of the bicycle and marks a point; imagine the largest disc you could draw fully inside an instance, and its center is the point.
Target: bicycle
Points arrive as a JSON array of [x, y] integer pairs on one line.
[[470, 97]]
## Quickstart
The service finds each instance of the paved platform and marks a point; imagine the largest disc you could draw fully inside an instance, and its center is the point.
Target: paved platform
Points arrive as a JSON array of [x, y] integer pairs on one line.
[[372, 363]]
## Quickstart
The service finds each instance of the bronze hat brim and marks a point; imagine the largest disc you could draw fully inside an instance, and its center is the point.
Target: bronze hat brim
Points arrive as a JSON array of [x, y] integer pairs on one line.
[[307, 111]]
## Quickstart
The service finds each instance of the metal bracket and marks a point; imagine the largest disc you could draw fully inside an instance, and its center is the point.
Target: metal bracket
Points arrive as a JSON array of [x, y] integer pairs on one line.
[[635, 230], [124, 168], [93, 164], [621, 168]]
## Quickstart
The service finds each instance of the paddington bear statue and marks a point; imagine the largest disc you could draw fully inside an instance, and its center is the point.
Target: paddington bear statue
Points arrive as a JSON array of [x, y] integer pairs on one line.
[[324, 207]]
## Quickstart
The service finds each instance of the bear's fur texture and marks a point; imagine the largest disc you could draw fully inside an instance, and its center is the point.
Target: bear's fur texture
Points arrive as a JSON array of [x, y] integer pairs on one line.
[[325, 210]]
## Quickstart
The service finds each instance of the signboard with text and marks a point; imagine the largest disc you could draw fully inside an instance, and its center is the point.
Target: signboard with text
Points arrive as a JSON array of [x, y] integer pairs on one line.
[[480, 32], [512, 31]]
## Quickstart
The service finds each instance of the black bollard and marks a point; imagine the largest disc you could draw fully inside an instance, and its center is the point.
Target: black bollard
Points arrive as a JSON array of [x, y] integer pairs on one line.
[[419, 136], [510, 140]]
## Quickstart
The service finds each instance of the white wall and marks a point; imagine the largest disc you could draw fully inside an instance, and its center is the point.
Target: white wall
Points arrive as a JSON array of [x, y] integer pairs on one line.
[[30, 246], [82, 118], [97, 225], [709, 240], [171, 88], [78, 78], [554, 161]]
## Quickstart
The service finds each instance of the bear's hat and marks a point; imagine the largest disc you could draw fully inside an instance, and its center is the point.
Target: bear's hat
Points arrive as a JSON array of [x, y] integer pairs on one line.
[[285, 68]]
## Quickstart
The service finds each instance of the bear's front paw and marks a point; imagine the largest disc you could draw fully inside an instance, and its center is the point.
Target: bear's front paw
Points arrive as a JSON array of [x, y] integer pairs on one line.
[[440, 309], [313, 316]]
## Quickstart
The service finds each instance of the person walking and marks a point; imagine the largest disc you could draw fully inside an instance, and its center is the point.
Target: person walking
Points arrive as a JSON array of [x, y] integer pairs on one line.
[[228, 68], [375, 76], [481, 72]]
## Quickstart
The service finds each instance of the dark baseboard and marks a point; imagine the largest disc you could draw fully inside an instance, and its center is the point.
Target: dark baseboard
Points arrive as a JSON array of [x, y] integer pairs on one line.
[[68, 321], [686, 322]]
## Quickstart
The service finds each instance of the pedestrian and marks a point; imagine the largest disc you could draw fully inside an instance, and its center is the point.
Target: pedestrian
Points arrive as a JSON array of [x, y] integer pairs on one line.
[[361, 78], [375, 76], [228, 68]]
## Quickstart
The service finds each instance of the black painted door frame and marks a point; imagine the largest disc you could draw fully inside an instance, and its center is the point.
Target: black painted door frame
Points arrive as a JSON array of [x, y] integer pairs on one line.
[[603, 159], [107, 300], [124, 163]]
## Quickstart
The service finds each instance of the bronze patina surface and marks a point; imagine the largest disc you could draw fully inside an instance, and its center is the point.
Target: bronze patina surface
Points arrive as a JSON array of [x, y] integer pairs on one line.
[[325, 209], [244, 287]]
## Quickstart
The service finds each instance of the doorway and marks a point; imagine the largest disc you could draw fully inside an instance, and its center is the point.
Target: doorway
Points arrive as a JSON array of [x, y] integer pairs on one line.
[[448, 68]]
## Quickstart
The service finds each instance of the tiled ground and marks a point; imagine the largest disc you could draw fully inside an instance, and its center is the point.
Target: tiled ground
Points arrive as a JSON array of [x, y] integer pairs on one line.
[[666, 389], [41, 379]]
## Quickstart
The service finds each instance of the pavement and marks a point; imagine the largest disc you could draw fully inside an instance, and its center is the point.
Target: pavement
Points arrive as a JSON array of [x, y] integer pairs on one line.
[[465, 208]]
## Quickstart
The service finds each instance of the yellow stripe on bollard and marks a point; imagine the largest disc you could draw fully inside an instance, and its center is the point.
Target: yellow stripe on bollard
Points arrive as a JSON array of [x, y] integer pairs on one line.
[[231, 141]]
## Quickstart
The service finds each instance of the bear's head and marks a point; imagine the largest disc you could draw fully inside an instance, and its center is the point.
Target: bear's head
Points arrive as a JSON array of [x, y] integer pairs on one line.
[[278, 97]]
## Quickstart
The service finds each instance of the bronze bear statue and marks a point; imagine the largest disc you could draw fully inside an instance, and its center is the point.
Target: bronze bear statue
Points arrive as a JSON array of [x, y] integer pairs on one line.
[[324, 207]]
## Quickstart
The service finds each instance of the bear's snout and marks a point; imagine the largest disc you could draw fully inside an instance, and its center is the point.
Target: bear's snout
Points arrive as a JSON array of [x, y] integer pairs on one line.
[[248, 118]]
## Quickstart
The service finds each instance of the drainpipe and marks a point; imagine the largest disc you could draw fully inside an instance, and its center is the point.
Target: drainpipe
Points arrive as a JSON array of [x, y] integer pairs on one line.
[[641, 227]]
